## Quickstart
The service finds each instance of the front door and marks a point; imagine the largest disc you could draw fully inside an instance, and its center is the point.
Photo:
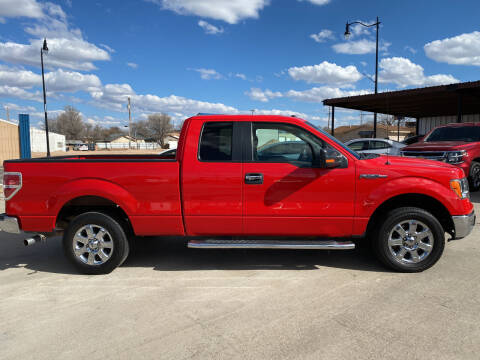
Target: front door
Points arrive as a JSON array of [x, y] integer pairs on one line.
[[285, 194]]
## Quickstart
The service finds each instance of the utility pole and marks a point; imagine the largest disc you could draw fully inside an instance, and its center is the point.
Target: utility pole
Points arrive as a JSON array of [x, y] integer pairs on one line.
[[129, 123], [8, 113]]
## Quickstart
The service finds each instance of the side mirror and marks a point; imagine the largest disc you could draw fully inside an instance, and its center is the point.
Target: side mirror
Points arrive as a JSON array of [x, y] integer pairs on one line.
[[327, 161]]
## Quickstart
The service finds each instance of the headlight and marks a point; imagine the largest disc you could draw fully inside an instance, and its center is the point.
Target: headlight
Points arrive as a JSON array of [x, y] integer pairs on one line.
[[460, 187], [455, 157]]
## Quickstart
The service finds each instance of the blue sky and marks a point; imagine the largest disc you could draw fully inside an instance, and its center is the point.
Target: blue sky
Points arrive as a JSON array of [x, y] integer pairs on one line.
[[187, 56]]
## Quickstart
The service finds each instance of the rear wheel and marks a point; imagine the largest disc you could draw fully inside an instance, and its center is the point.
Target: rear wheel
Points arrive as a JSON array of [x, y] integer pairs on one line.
[[95, 243], [474, 178], [409, 240]]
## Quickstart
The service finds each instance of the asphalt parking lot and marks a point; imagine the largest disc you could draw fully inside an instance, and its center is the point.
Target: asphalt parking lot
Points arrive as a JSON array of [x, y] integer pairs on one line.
[[169, 302]]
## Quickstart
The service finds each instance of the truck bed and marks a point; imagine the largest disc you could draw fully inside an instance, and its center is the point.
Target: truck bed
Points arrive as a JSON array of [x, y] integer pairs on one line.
[[144, 186]]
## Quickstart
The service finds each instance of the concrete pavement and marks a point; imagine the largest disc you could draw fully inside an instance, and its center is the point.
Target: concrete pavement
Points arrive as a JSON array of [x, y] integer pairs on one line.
[[169, 302]]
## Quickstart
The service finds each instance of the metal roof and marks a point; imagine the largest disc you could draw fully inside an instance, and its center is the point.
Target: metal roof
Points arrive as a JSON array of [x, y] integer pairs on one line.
[[440, 100]]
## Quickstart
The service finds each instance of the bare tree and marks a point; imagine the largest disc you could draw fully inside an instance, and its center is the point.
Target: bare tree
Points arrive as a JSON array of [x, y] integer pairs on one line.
[[159, 126], [68, 123]]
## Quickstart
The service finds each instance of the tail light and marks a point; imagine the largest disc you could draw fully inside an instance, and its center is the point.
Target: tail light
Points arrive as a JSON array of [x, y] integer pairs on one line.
[[12, 183]]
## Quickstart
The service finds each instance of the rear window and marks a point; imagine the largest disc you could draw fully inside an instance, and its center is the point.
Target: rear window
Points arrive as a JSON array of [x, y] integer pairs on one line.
[[216, 141], [451, 133]]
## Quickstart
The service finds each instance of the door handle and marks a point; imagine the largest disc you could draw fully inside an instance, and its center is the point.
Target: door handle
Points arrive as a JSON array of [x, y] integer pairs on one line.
[[253, 178]]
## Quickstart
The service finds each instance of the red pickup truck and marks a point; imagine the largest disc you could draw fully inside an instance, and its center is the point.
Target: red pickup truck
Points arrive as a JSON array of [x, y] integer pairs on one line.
[[457, 144], [241, 182]]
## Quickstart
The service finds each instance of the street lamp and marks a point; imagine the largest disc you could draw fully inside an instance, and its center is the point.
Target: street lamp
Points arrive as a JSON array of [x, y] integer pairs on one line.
[[347, 35], [44, 49]]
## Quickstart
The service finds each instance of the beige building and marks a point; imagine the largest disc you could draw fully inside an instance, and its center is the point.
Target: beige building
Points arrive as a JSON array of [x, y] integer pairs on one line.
[[9, 141]]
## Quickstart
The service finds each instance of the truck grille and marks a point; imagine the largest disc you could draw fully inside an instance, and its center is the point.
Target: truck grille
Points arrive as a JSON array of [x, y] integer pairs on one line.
[[430, 155]]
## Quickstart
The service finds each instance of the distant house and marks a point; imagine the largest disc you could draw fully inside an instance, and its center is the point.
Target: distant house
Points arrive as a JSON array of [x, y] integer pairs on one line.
[[125, 139], [172, 140]]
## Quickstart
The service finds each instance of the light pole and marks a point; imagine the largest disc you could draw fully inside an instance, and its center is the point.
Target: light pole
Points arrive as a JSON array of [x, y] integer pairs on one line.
[[42, 50], [347, 34]]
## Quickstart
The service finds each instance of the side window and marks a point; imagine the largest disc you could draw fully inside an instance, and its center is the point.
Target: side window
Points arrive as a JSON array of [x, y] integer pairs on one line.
[[283, 143], [379, 145], [216, 141], [359, 145]]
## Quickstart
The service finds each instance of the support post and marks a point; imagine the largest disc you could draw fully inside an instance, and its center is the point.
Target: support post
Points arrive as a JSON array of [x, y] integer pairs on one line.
[[459, 108], [376, 82], [24, 136], [417, 127], [333, 120]]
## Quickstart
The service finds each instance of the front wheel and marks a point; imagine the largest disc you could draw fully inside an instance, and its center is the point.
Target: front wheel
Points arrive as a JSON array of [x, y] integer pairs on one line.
[[409, 240], [474, 178], [95, 243]]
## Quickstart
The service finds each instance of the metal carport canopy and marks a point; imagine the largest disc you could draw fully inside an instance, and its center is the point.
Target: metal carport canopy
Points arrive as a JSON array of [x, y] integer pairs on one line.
[[443, 100]]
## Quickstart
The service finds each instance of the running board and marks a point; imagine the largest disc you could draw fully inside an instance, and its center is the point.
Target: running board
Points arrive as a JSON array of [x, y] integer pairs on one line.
[[272, 244]]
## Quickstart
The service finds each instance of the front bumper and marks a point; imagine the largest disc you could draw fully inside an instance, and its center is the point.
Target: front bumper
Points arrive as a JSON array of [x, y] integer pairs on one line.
[[9, 224], [463, 225]]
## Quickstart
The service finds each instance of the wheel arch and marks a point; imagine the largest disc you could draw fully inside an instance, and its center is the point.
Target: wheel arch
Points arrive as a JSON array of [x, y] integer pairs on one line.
[[422, 201], [88, 203]]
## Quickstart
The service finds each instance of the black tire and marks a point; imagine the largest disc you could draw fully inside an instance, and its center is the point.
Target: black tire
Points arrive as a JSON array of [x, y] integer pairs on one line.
[[398, 216], [474, 177], [115, 234]]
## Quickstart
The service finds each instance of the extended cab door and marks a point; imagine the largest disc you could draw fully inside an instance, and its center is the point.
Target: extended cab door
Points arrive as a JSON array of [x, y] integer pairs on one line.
[[285, 194], [211, 177]]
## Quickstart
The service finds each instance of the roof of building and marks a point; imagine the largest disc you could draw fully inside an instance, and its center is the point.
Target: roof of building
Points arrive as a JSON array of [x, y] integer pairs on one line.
[[440, 100]]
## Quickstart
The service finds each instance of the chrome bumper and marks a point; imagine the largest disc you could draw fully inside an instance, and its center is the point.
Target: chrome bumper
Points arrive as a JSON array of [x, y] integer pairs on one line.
[[9, 224], [463, 225]]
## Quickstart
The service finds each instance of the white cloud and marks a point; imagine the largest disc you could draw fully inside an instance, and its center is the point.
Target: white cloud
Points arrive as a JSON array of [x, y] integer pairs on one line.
[[209, 28], [403, 72], [241, 76], [132, 65], [19, 93], [231, 11], [411, 49], [67, 47], [360, 47], [16, 107], [20, 8], [71, 81], [262, 95], [281, 113], [463, 49], [114, 97], [56, 81], [323, 36], [326, 73], [316, 2], [208, 74], [316, 94]]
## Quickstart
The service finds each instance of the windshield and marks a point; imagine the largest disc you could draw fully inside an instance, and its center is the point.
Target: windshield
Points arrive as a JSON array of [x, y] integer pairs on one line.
[[464, 133], [334, 139]]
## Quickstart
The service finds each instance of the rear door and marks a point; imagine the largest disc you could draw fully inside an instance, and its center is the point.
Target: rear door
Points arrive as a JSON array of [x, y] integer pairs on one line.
[[212, 179], [285, 195]]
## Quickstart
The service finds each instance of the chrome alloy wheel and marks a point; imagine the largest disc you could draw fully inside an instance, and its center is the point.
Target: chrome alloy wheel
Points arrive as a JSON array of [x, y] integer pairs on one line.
[[93, 244], [410, 242]]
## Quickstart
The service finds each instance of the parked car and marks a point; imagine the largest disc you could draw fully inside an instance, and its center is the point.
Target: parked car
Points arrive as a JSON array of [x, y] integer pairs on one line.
[[223, 191], [457, 144], [375, 146], [412, 139], [169, 153]]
